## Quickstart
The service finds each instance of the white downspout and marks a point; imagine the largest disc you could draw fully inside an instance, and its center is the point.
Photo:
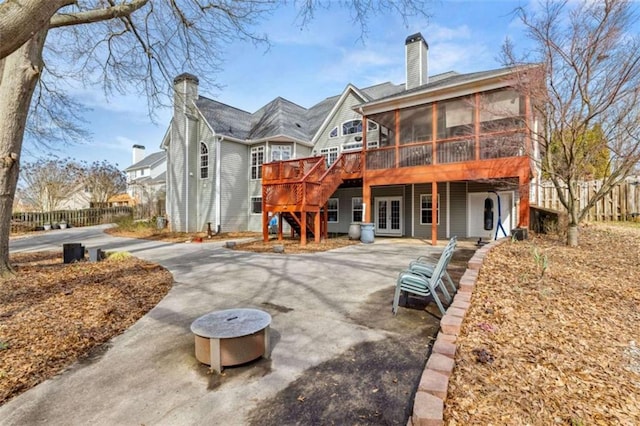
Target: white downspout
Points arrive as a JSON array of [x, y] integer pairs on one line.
[[218, 196]]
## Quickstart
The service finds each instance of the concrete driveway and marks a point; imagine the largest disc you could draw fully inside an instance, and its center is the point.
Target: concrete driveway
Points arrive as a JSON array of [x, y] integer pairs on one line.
[[331, 311]]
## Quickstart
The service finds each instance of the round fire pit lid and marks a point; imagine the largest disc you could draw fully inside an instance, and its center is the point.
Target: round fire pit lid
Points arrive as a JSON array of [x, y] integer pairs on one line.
[[231, 323]]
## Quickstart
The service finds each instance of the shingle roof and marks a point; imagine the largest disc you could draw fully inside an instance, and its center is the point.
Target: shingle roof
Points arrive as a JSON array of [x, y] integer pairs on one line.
[[282, 117], [225, 119], [279, 117], [148, 161], [446, 79]]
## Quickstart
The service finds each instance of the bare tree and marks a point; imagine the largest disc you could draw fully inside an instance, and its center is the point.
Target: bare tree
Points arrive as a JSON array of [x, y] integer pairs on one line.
[[103, 180], [589, 56], [134, 46], [46, 184], [149, 198]]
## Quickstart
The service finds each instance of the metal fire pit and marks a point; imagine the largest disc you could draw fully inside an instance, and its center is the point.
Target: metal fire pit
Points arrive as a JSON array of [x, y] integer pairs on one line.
[[231, 337]]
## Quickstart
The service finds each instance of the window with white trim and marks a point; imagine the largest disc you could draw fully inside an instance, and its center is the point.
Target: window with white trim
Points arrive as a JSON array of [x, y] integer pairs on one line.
[[426, 209], [356, 209], [330, 155], [352, 146], [332, 210], [372, 125], [351, 127], [204, 161], [334, 132], [280, 152], [257, 158], [256, 205]]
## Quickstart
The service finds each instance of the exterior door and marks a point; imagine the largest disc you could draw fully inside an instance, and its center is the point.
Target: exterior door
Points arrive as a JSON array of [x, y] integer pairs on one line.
[[389, 216], [476, 216]]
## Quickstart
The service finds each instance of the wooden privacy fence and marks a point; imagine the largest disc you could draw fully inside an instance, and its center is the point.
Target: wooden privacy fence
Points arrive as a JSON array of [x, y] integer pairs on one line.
[[622, 203], [30, 221]]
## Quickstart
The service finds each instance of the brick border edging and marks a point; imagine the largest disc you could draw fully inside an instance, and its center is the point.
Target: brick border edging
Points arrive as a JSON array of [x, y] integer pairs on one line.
[[428, 405]]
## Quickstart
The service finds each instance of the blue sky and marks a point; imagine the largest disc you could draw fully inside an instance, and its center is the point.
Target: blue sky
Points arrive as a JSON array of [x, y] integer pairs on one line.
[[306, 65]]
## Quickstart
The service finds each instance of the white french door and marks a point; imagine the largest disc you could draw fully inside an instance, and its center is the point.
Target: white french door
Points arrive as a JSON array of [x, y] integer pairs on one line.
[[389, 216]]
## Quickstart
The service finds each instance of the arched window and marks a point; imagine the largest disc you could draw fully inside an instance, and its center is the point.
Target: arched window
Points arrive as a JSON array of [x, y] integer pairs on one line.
[[352, 126], [204, 161]]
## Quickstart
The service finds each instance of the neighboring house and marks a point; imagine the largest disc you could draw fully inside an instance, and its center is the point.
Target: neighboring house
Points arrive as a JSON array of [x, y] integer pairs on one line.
[[79, 198], [146, 179], [419, 159], [121, 200]]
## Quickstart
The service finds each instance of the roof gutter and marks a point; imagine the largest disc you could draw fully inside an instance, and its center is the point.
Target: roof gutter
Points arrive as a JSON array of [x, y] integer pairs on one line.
[[271, 139]]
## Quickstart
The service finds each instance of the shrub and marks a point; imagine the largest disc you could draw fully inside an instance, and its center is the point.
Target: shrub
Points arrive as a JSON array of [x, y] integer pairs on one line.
[[118, 256]]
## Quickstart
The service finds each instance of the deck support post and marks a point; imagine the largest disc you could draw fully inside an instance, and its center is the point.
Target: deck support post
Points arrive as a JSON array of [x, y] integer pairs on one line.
[[316, 227], [303, 228], [265, 224], [366, 201]]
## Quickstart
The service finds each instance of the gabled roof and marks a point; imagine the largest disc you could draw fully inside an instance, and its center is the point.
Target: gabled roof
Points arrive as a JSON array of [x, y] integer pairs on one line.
[[148, 180], [321, 113], [148, 161], [279, 117]]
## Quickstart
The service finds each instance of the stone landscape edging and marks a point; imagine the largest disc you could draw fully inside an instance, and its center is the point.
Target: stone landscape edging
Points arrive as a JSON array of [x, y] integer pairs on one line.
[[428, 404]]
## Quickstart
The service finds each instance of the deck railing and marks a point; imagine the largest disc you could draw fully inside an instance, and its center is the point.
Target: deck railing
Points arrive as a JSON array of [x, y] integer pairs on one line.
[[289, 170], [455, 151], [286, 187], [491, 146], [416, 155], [502, 145]]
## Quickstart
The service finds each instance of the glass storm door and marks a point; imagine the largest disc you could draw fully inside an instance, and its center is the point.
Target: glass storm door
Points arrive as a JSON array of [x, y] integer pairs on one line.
[[389, 216]]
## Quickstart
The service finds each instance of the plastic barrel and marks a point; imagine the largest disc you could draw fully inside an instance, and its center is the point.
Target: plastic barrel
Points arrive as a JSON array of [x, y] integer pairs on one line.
[[366, 233]]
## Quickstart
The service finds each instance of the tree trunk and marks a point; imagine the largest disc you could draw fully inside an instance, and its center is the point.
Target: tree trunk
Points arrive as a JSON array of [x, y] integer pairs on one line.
[[20, 74], [572, 235]]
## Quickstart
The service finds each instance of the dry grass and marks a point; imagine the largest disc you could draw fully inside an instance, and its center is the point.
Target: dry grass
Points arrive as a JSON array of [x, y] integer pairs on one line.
[[552, 336]]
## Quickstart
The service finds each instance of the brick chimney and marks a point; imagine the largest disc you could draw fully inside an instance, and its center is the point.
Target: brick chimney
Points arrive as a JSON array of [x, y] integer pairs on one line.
[[138, 154], [416, 54]]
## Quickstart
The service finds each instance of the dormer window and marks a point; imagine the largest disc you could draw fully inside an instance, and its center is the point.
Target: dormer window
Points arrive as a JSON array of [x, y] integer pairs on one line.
[[351, 127], [334, 132]]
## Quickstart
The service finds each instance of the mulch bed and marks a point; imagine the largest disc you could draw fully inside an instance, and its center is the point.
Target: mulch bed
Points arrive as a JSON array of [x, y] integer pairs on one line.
[[153, 234], [553, 334], [52, 314], [292, 245]]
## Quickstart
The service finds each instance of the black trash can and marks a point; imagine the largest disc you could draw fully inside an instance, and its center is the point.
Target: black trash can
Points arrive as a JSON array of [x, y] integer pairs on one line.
[[72, 252]]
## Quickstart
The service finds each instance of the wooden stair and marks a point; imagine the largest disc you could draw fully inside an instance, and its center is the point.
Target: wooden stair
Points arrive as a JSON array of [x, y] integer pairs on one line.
[[298, 190], [294, 219]]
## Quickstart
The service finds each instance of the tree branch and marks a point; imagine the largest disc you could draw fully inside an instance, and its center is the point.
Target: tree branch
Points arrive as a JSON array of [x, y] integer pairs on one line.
[[96, 15], [20, 20]]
